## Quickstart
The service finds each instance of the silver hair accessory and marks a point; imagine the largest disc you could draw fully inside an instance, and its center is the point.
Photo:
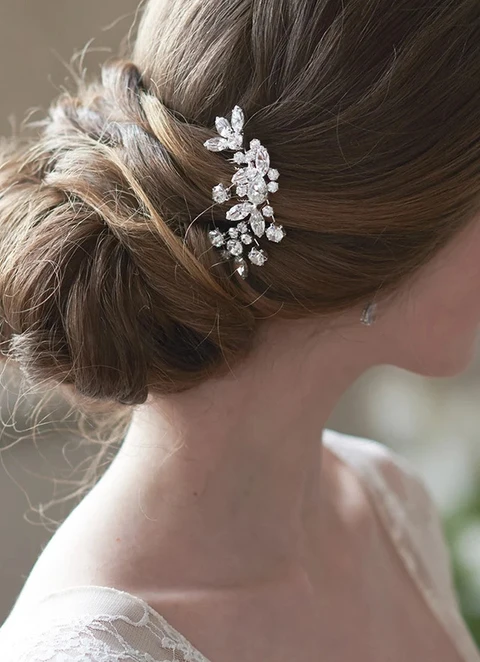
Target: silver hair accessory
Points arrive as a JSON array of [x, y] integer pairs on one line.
[[251, 188], [368, 316]]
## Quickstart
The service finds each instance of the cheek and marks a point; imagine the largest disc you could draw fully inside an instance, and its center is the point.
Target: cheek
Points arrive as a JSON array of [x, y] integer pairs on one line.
[[457, 305], [449, 301], [440, 338], [436, 324]]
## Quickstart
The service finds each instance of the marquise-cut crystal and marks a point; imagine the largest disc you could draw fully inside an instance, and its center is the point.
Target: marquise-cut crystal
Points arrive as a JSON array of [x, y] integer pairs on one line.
[[217, 144], [241, 266], [240, 177], [216, 237], [257, 223], [275, 232], [220, 193], [223, 127], [267, 211], [235, 247], [262, 161], [240, 211], [257, 190], [257, 256], [272, 187], [238, 119]]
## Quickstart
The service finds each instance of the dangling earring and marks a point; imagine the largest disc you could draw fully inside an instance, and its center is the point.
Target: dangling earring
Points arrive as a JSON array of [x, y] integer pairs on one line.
[[368, 315]]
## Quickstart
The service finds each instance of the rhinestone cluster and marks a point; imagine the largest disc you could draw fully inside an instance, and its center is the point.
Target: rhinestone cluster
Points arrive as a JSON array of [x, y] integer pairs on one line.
[[251, 189]]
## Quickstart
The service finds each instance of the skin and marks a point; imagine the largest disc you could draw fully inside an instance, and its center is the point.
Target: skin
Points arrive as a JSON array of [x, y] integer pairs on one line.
[[244, 451], [235, 470]]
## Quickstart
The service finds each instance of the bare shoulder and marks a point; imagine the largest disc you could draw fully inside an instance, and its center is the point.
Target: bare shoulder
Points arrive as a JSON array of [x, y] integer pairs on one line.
[[406, 506], [400, 494], [381, 465]]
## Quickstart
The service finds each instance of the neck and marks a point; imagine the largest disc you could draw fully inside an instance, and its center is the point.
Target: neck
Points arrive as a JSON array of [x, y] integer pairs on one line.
[[232, 468]]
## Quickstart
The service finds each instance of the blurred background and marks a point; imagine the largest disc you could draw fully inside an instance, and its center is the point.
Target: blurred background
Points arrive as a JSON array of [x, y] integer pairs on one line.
[[434, 423]]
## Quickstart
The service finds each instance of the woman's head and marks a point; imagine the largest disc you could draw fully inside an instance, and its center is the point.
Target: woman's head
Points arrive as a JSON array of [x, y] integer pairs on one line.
[[108, 280]]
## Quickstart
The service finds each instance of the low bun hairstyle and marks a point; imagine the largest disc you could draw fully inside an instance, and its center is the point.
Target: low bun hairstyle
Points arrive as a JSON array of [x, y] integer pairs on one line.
[[369, 110], [103, 283]]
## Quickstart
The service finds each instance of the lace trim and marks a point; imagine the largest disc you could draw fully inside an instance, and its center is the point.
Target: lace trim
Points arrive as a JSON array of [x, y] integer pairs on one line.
[[100, 637]]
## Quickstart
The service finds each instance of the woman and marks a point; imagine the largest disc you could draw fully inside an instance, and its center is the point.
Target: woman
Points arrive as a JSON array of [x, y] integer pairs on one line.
[[232, 525]]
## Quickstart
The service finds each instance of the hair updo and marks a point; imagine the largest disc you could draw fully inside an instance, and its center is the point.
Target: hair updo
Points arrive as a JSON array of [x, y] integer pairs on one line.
[[108, 280]]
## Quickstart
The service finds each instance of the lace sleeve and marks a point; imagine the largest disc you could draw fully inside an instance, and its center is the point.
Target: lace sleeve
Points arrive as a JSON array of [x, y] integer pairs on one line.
[[136, 635], [93, 640]]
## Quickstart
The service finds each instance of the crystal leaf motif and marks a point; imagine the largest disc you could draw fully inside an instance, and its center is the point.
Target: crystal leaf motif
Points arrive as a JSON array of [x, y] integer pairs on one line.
[[240, 177], [238, 119], [223, 127], [250, 183], [217, 144], [262, 161], [257, 223], [240, 211]]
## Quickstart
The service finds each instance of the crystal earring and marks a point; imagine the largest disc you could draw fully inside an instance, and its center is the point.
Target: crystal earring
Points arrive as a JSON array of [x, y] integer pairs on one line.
[[368, 315]]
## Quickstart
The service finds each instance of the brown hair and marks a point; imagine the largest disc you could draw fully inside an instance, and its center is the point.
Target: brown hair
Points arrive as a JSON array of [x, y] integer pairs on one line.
[[108, 281]]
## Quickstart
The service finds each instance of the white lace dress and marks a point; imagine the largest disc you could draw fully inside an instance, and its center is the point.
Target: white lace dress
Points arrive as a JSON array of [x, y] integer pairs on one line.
[[104, 624]]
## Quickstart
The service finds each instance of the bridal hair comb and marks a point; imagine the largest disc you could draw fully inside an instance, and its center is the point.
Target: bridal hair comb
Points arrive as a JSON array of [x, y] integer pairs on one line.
[[253, 205], [251, 190]]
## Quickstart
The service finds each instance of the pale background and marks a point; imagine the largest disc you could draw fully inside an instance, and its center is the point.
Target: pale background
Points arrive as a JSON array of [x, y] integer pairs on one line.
[[435, 423]]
